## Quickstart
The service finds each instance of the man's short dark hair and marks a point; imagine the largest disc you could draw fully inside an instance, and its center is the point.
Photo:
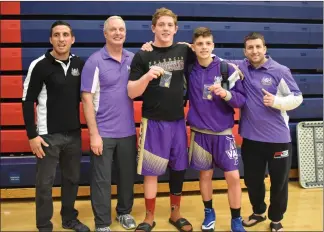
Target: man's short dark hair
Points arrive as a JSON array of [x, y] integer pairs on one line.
[[253, 36], [201, 31], [60, 23]]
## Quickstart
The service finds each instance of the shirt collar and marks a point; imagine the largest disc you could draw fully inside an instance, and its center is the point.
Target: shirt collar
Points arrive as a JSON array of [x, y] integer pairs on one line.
[[49, 56], [105, 54], [266, 65]]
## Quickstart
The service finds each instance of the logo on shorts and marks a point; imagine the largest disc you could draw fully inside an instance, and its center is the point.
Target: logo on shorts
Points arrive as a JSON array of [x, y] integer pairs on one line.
[[139, 140], [75, 72], [232, 152], [266, 81], [281, 154]]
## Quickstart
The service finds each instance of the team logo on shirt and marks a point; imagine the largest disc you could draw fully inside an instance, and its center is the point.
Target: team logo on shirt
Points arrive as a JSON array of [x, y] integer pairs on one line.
[[232, 152], [128, 68], [75, 72], [266, 81], [172, 64], [281, 154]]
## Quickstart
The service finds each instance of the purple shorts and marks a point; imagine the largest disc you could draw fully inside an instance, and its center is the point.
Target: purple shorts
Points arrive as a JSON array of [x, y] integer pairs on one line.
[[162, 144], [209, 151]]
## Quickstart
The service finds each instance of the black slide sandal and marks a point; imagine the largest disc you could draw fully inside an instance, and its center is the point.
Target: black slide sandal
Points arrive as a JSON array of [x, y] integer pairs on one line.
[[181, 222], [145, 227], [257, 219], [275, 226]]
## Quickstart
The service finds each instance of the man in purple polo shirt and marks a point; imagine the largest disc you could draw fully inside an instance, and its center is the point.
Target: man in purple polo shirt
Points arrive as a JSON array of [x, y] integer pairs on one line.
[[271, 91], [110, 118]]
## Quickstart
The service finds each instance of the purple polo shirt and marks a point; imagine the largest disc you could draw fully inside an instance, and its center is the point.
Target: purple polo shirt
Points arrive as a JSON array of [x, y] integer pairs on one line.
[[107, 79], [259, 122]]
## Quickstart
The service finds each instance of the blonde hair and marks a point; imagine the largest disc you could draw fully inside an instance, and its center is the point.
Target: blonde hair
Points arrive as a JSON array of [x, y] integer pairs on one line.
[[164, 12], [111, 18]]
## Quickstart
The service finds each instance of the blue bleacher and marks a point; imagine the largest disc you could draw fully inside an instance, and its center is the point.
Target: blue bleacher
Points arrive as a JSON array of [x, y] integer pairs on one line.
[[295, 29], [298, 58], [310, 84], [292, 127], [311, 108], [21, 171], [140, 31], [316, 31], [292, 58], [230, 9]]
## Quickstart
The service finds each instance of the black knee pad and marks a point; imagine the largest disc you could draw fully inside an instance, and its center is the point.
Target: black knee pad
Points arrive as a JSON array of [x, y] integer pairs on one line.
[[176, 181]]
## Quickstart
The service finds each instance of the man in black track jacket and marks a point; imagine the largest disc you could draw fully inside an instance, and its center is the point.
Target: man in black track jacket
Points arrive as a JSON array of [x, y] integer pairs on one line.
[[53, 81]]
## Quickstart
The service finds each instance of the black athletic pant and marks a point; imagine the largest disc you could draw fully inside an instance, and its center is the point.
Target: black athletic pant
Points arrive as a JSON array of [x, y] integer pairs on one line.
[[64, 148], [256, 155], [122, 152]]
